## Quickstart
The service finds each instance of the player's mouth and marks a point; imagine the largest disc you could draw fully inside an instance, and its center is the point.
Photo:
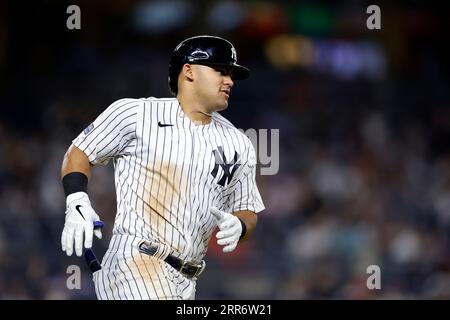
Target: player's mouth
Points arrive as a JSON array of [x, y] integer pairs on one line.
[[226, 92]]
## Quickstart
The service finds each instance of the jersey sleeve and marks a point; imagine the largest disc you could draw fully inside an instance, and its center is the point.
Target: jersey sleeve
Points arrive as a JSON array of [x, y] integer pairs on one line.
[[111, 132], [243, 191]]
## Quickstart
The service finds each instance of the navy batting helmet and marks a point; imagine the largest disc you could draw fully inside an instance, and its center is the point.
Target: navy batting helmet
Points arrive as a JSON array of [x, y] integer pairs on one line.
[[205, 50]]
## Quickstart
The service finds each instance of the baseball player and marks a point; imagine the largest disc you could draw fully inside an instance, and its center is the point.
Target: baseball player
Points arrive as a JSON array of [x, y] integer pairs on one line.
[[180, 170]]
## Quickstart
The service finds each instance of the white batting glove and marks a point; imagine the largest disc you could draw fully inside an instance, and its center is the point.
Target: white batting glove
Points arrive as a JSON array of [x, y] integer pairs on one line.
[[230, 229], [80, 219]]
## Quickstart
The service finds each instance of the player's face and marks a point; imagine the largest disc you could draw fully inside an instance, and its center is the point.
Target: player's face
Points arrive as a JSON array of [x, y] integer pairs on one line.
[[213, 86]]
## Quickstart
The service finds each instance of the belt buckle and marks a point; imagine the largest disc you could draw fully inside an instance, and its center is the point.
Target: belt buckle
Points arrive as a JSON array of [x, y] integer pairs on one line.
[[197, 273], [200, 270], [185, 264]]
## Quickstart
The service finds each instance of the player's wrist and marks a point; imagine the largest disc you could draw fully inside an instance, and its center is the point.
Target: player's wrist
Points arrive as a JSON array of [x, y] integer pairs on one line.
[[74, 182], [244, 228], [79, 196]]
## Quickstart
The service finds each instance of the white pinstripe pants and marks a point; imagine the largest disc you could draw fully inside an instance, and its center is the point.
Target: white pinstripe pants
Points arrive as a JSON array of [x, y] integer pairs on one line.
[[141, 277]]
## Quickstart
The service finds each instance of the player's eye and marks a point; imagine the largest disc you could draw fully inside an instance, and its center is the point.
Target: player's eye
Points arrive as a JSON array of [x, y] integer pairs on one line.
[[224, 71]]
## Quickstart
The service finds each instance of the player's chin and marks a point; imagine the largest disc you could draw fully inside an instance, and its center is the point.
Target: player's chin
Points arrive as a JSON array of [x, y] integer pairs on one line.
[[222, 105]]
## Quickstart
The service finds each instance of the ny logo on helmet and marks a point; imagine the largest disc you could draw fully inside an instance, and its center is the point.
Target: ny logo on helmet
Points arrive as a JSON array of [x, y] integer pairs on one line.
[[228, 168], [233, 54]]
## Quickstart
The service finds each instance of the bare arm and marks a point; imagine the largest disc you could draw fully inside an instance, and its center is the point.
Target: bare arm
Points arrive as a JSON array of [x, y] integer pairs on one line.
[[75, 160], [250, 219]]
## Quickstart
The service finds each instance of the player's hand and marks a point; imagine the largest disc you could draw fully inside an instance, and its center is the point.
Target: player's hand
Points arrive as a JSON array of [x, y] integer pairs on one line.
[[80, 218], [230, 229]]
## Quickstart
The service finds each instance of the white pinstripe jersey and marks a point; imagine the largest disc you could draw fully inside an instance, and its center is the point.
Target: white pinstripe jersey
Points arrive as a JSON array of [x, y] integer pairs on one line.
[[170, 171]]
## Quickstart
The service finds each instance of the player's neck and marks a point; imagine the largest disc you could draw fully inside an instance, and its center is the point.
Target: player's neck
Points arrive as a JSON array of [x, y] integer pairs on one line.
[[194, 111]]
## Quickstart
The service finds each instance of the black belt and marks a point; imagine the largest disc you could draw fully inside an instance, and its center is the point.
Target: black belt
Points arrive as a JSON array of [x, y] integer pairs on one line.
[[188, 269]]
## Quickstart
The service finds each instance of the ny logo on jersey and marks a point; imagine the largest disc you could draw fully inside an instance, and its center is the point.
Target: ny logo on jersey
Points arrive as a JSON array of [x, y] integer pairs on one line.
[[221, 160]]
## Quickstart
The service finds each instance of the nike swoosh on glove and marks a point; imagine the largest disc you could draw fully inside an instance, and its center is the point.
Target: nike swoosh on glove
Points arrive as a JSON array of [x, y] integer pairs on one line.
[[80, 218], [230, 229]]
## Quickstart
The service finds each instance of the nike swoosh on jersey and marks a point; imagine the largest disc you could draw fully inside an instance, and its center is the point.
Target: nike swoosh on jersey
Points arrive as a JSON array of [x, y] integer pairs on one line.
[[164, 124], [78, 209]]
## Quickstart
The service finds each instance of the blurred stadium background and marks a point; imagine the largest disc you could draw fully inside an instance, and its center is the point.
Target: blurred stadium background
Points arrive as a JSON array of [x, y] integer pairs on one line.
[[364, 121]]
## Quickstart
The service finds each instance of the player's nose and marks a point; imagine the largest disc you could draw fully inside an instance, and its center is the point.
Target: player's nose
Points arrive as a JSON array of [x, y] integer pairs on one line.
[[228, 81]]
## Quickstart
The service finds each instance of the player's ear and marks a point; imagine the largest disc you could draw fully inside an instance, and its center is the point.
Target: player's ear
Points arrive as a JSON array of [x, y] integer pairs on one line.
[[188, 71]]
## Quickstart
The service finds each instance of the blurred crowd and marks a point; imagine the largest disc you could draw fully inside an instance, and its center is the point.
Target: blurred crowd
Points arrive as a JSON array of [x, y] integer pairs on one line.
[[363, 180]]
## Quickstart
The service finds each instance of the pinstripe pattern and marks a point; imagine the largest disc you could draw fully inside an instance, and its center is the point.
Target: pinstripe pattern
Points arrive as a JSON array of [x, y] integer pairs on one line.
[[164, 187]]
